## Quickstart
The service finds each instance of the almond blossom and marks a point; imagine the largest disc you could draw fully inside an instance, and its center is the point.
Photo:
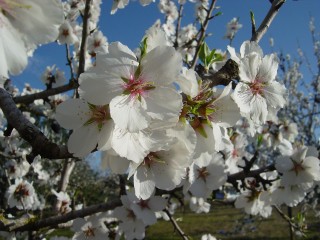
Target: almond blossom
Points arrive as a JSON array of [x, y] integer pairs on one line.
[[258, 92], [139, 92], [92, 125], [299, 168], [21, 194]]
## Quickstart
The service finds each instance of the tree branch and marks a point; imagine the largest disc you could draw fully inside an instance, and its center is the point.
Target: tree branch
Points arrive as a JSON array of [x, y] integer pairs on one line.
[[27, 99], [33, 225], [276, 5], [83, 46], [39, 142], [223, 77], [202, 33]]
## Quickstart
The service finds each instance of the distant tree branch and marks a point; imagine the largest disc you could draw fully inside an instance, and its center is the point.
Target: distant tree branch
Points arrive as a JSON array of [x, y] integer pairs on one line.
[[39, 142], [202, 31], [30, 224], [276, 5]]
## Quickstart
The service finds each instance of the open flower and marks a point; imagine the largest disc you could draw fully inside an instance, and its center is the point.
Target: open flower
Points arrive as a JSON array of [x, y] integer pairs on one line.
[[299, 168], [258, 92], [139, 93], [21, 194], [91, 124]]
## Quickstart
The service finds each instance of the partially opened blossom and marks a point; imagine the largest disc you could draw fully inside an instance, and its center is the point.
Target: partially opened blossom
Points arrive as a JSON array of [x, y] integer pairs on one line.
[[24, 25]]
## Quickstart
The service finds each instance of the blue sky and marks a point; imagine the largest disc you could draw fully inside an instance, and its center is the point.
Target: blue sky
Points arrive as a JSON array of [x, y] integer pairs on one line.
[[289, 30]]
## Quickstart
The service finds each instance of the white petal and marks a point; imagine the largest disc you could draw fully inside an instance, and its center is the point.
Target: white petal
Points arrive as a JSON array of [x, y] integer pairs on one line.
[[39, 21], [144, 184], [99, 89], [249, 67], [248, 47], [72, 113], [161, 65], [13, 54], [83, 140], [268, 68], [164, 104], [129, 113]]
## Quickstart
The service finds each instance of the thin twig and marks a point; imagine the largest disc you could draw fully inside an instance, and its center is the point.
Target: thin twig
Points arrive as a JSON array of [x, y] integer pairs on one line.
[[276, 5], [83, 45], [176, 225], [202, 31], [176, 44], [70, 63]]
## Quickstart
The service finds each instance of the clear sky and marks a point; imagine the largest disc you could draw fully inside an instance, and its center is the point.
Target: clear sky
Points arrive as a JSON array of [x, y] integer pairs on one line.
[[289, 30]]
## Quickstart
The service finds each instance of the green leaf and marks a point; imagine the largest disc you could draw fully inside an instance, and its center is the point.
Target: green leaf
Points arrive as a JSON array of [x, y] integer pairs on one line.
[[210, 57], [143, 47], [203, 53]]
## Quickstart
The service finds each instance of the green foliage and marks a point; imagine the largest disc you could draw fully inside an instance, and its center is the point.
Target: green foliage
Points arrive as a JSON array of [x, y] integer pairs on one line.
[[208, 57]]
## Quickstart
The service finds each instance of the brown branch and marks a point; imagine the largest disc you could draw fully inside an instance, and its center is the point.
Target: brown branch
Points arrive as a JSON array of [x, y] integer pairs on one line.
[[223, 77], [233, 178], [34, 225], [83, 46], [203, 30], [39, 142], [27, 99], [70, 63], [176, 44], [276, 5], [176, 225]]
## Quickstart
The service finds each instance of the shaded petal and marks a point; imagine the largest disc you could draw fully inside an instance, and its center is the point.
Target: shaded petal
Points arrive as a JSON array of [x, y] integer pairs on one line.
[[83, 140], [72, 113]]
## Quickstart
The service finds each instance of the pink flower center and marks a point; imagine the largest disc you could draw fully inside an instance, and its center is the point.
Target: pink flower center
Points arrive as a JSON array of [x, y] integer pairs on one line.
[[99, 115], [257, 87], [137, 87], [203, 173], [151, 158], [143, 204], [89, 232], [21, 191], [297, 167]]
